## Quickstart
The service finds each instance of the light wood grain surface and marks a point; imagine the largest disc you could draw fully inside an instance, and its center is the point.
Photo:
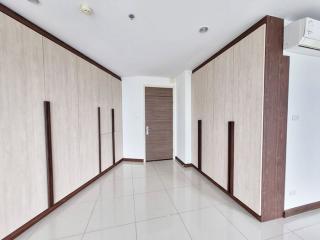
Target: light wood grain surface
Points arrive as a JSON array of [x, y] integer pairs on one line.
[[23, 181], [249, 55]]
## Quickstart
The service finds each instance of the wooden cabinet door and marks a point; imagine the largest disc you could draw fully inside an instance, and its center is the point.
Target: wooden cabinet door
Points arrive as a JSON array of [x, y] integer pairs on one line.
[[23, 185], [249, 63], [88, 83], [106, 104], [117, 106], [62, 90], [221, 98], [159, 123], [195, 82]]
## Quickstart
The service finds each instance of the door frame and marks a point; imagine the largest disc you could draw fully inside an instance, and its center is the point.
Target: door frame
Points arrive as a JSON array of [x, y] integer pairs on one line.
[[173, 87]]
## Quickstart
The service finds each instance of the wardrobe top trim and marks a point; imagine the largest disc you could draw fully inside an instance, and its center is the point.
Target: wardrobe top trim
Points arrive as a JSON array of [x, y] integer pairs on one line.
[[254, 27], [48, 35]]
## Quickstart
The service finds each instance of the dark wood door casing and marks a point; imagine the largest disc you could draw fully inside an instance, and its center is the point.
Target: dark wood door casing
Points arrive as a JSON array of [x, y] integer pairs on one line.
[[159, 121]]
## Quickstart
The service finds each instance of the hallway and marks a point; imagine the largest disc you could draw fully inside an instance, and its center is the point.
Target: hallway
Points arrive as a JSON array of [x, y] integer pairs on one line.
[[162, 200]]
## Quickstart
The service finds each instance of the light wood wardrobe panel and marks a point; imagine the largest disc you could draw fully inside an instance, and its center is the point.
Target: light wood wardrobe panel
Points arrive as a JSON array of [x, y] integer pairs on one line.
[[106, 102], [207, 108], [194, 118], [22, 149], [62, 91], [117, 103], [118, 146], [249, 64], [198, 85], [221, 98], [106, 151], [88, 82]]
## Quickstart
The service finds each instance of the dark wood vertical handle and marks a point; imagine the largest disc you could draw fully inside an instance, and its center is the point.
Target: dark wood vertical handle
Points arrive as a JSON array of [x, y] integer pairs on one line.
[[230, 156], [99, 138], [48, 139], [113, 138], [200, 145]]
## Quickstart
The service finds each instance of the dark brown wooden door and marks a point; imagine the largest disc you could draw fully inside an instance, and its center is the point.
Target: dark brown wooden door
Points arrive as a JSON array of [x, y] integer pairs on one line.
[[159, 123]]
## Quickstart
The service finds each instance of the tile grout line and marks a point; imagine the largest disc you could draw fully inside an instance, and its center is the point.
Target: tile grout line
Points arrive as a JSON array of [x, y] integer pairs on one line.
[[90, 216], [178, 213], [214, 206], [134, 205], [230, 222], [297, 235]]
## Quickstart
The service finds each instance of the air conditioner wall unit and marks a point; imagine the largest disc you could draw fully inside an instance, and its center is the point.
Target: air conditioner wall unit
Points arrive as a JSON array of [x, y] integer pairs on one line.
[[303, 37]]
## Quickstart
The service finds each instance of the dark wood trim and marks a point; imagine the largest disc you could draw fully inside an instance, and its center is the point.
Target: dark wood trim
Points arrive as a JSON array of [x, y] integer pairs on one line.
[[48, 140], [200, 144], [249, 210], [46, 212], [157, 160], [301, 209], [113, 137], [138, 160], [230, 156], [99, 138], [48, 35], [275, 111], [182, 162], [233, 42]]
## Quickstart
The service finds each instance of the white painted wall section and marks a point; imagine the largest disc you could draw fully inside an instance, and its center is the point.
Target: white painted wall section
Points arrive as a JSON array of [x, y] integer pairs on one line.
[[303, 137], [183, 101]]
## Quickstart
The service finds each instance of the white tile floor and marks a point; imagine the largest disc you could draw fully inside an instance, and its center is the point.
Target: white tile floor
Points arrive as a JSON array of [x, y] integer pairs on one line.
[[160, 201]]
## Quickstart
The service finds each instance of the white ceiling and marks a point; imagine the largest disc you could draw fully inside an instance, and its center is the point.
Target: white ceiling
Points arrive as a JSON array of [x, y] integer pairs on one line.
[[163, 40]]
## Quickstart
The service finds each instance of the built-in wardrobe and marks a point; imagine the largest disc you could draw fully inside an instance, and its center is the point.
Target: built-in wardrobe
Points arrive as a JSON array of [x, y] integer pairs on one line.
[[239, 112], [43, 83]]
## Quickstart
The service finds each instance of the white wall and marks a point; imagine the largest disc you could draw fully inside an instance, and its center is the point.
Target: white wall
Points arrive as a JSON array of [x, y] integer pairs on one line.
[[303, 138], [133, 110], [183, 102]]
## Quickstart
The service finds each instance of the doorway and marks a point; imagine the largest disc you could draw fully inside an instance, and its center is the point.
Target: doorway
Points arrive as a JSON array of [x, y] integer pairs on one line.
[[159, 123]]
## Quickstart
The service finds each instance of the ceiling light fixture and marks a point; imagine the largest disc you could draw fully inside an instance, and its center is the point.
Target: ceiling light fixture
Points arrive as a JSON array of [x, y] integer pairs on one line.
[[34, 1], [84, 8], [203, 29], [132, 16]]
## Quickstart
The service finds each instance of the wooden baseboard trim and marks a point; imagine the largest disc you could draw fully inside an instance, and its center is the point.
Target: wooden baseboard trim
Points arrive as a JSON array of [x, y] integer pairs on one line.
[[157, 160], [182, 163], [46, 212], [301, 209], [132, 160], [249, 210]]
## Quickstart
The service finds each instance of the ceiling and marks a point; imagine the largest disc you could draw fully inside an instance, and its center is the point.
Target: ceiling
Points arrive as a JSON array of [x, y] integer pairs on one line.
[[163, 40]]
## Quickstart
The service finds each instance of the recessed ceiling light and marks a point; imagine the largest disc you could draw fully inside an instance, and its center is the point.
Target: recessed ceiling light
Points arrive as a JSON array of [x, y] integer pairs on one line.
[[34, 1], [203, 29], [132, 16], [84, 8]]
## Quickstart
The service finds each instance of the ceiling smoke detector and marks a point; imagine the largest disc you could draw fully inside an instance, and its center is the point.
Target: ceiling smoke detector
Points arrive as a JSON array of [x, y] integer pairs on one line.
[[132, 16], [34, 1], [84, 8], [203, 29]]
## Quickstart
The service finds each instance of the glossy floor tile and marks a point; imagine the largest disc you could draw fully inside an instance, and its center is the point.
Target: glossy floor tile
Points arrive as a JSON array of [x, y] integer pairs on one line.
[[126, 232], [162, 200], [152, 205], [112, 213], [170, 227], [309, 233], [206, 223]]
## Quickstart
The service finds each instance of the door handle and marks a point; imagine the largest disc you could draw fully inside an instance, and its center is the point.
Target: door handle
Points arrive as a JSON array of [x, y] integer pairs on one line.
[[147, 130]]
